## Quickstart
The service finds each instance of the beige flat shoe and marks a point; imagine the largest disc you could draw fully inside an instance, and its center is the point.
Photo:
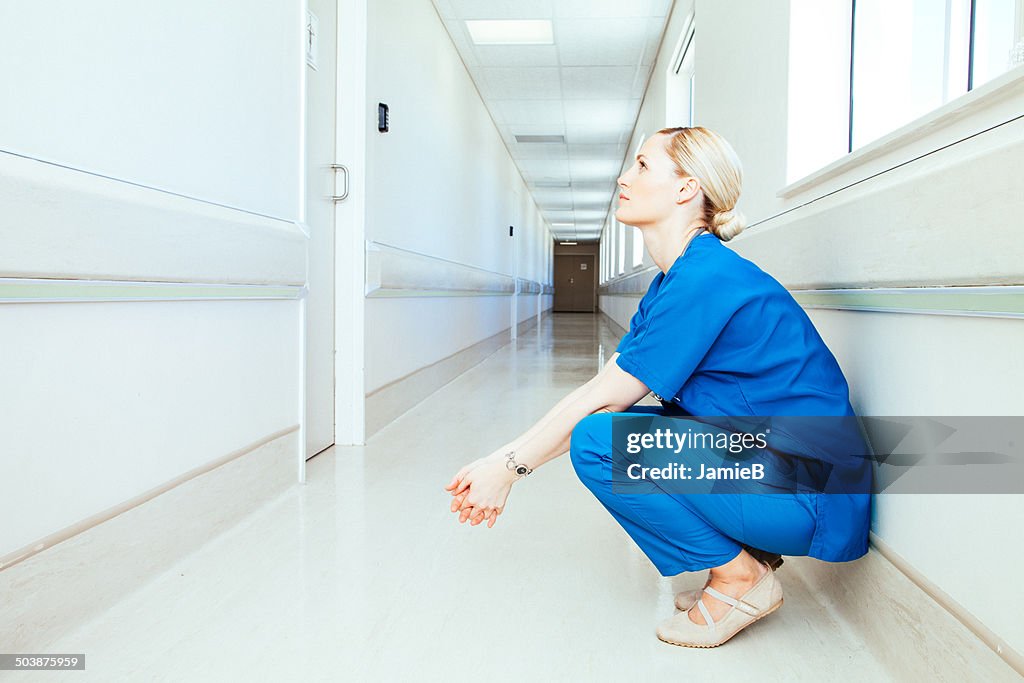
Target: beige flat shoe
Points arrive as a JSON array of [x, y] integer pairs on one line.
[[687, 599], [761, 600]]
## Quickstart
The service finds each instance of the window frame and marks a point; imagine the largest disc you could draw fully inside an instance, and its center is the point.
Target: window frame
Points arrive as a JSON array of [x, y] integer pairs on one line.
[[972, 13], [979, 109]]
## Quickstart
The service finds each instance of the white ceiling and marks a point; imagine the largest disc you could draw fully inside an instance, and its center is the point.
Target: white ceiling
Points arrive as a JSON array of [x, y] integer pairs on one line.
[[586, 87]]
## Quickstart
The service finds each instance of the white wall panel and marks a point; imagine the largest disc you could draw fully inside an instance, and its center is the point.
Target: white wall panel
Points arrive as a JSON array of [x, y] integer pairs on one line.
[[192, 97]]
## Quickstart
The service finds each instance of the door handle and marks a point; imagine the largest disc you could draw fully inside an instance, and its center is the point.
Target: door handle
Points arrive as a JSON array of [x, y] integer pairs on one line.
[[342, 197]]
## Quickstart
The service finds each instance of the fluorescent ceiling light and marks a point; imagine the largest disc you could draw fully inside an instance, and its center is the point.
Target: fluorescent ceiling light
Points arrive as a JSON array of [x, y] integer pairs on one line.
[[562, 225], [511, 31], [568, 243]]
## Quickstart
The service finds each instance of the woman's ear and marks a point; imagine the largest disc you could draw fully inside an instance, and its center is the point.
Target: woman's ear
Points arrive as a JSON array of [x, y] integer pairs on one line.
[[687, 190]]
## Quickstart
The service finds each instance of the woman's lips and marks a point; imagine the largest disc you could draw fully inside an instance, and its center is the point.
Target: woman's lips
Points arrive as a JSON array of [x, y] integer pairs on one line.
[[621, 196]]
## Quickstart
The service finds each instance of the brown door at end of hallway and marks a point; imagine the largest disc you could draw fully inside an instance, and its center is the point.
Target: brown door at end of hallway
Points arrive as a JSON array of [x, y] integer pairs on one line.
[[574, 283]]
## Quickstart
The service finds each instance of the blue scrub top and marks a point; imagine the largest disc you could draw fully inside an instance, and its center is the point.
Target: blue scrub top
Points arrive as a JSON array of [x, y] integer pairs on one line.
[[716, 335]]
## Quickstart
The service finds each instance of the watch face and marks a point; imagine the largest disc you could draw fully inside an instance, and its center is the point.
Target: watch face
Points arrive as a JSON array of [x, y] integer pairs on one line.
[[521, 470]]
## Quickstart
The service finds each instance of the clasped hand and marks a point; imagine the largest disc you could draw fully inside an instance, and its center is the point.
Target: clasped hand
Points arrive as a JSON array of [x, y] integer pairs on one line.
[[480, 490]]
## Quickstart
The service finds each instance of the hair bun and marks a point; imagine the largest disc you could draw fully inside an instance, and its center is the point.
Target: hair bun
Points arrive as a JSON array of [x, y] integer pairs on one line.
[[727, 224]]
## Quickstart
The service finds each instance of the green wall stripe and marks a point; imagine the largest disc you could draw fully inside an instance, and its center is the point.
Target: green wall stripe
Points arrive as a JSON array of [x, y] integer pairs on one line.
[[54, 291], [1005, 301], [406, 293]]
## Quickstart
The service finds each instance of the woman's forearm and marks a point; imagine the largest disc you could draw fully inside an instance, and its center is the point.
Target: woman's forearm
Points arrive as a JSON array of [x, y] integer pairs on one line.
[[612, 390], [517, 443], [553, 437]]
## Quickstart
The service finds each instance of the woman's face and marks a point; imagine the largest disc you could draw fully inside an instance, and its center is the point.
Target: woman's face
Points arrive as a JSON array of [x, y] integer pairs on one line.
[[649, 192]]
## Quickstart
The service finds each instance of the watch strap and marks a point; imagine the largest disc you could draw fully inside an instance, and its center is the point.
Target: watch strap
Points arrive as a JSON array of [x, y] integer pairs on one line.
[[518, 468]]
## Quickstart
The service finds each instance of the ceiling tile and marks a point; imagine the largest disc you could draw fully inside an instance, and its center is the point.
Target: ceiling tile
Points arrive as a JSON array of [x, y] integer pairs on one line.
[[552, 197], [554, 206], [544, 168], [605, 185], [502, 9], [588, 199], [607, 151], [559, 216], [536, 112], [593, 132], [602, 82], [517, 55], [617, 113], [524, 83], [591, 215], [601, 42], [594, 169], [611, 8], [655, 29], [601, 207], [545, 150]]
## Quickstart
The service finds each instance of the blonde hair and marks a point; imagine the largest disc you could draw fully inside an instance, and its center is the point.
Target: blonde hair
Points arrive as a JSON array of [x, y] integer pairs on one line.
[[705, 155]]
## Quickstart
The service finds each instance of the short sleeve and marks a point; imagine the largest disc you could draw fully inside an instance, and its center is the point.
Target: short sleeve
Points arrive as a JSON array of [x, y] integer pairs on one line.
[[682, 322], [636, 321]]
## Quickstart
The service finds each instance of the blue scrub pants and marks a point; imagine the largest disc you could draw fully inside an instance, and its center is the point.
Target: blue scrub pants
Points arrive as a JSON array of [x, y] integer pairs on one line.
[[689, 532]]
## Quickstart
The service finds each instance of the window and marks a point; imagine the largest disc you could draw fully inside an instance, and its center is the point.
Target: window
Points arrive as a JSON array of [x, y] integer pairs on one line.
[[612, 251], [860, 69], [912, 56], [638, 247], [679, 83], [622, 247], [604, 256], [998, 39]]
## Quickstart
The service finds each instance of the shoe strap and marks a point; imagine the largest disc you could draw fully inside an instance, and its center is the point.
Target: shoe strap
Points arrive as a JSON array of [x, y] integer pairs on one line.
[[707, 615], [745, 607]]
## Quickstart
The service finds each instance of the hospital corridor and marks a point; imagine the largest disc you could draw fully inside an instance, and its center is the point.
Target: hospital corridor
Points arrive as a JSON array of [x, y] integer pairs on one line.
[[339, 338]]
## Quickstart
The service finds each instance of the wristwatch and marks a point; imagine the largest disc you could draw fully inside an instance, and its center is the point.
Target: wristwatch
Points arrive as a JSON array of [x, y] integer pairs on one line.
[[519, 469]]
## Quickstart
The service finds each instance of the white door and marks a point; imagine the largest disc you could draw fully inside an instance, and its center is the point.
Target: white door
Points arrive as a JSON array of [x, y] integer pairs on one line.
[[321, 97]]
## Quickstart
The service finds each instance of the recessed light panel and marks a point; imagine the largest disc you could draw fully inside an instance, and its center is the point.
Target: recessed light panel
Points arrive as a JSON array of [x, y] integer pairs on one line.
[[510, 31]]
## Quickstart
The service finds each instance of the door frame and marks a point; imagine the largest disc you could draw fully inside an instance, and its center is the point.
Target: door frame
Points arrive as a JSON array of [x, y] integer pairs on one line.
[[350, 221]]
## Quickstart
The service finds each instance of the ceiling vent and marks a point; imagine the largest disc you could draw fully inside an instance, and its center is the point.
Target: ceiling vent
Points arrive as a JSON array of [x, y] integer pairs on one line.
[[560, 139]]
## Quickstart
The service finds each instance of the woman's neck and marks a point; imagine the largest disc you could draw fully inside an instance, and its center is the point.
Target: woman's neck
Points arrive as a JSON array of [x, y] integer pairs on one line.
[[666, 243]]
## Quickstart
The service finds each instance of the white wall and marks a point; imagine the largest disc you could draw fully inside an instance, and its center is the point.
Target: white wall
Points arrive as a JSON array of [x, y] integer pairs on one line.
[[441, 183], [950, 218], [185, 96], [104, 401]]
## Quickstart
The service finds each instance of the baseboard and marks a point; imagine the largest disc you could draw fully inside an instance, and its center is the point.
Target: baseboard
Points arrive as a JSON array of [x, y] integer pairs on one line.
[[998, 646], [386, 404], [51, 594], [907, 632]]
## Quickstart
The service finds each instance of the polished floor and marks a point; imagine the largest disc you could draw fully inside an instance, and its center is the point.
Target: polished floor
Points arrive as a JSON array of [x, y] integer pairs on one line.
[[364, 575]]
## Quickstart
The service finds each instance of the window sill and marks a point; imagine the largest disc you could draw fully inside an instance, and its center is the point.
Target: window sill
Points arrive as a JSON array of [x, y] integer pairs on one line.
[[938, 128]]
